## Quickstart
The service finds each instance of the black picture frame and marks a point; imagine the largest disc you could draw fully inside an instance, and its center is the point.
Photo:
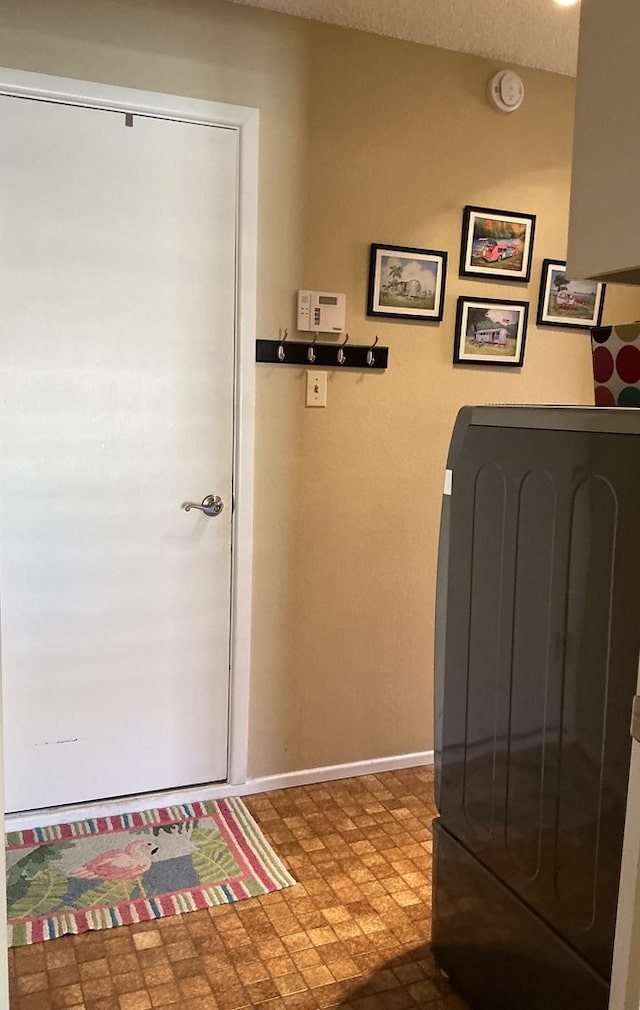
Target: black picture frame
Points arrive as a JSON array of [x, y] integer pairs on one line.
[[406, 282], [563, 302], [497, 244], [490, 331]]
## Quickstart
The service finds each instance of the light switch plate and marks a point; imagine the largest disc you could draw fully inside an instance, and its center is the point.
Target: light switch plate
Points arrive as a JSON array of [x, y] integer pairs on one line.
[[316, 395]]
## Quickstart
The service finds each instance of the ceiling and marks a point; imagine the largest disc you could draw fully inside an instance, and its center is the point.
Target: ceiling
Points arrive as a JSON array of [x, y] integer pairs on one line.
[[530, 33]]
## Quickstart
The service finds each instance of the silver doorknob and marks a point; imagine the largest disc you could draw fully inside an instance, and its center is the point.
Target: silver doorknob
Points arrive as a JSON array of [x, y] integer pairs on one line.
[[212, 505]]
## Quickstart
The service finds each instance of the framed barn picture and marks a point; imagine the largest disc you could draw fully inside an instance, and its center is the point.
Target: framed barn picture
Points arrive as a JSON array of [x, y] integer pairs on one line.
[[563, 302], [497, 244], [490, 331], [406, 283]]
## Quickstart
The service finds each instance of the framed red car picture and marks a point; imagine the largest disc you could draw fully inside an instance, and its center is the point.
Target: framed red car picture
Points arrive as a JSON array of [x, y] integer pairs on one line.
[[497, 244]]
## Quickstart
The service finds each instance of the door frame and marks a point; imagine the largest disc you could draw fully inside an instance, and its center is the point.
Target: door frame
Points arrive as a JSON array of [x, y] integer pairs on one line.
[[244, 120], [625, 974]]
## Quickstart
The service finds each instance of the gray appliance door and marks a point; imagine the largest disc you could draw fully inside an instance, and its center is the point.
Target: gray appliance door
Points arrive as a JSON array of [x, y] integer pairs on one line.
[[539, 666]]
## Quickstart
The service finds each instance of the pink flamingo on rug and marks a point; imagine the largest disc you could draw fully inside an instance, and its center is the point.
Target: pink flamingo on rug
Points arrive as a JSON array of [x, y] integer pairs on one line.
[[119, 864]]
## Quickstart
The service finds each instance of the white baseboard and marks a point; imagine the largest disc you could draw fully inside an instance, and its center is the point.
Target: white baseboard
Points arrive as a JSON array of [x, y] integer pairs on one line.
[[347, 771], [130, 804]]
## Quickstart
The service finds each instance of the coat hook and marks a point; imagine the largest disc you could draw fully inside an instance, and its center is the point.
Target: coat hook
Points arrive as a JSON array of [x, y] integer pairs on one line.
[[341, 357], [311, 354], [281, 345], [370, 357]]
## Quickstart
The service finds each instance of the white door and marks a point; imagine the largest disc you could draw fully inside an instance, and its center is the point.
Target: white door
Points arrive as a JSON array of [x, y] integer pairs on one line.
[[118, 279]]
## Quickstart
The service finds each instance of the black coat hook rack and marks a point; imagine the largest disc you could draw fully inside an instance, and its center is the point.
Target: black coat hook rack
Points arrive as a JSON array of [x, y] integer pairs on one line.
[[342, 355]]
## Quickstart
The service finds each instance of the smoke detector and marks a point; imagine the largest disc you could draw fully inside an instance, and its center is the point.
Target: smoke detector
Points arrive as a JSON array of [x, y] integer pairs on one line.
[[506, 91]]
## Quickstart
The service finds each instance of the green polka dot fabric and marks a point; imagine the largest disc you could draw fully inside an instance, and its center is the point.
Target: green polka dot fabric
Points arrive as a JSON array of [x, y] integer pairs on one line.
[[616, 365]]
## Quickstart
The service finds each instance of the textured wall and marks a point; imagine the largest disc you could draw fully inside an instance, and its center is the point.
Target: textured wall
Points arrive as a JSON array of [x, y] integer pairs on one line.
[[363, 139]]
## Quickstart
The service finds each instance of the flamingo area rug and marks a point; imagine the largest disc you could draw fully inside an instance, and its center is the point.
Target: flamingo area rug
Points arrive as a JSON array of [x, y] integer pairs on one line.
[[112, 871]]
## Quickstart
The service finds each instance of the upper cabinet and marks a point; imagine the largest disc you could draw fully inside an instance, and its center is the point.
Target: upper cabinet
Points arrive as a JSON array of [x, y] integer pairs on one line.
[[604, 220]]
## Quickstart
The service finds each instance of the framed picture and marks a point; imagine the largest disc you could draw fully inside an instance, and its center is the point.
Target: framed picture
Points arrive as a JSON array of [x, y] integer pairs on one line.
[[490, 331], [568, 303], [496, 243], [406, 283]]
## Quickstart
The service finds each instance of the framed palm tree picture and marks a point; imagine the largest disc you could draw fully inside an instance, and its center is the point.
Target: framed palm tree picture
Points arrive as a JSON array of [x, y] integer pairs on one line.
[[406, 283]]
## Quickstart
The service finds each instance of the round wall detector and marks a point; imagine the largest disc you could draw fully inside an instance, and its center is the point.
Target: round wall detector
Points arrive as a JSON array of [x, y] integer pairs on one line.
[[506, 91]]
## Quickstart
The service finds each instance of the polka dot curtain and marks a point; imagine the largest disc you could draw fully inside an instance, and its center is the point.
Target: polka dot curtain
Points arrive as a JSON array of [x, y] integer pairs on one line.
[[616, 365]]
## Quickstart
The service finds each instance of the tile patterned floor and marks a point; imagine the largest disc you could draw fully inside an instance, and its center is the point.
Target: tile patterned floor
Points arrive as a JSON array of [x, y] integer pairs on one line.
[[353, 933]]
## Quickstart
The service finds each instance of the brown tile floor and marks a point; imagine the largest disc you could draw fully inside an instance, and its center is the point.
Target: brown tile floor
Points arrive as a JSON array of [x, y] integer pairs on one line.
[[353, 933]]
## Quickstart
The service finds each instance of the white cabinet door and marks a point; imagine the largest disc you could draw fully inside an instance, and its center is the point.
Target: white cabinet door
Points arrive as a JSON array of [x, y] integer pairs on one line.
[[605, 198], [118, 270]]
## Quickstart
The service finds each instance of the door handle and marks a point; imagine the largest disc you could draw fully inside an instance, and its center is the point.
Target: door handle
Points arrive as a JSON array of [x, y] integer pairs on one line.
[[212, 505]]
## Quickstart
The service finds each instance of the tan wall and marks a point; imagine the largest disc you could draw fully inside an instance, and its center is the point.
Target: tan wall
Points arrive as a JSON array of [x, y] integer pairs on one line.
[[363, 139]]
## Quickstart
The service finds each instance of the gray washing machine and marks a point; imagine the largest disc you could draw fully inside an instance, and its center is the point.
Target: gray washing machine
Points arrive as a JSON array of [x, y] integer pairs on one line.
[[537, 643]]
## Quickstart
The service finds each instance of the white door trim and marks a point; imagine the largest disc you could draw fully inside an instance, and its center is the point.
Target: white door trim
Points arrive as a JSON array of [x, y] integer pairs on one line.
[[625, 973], [245, 121]]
